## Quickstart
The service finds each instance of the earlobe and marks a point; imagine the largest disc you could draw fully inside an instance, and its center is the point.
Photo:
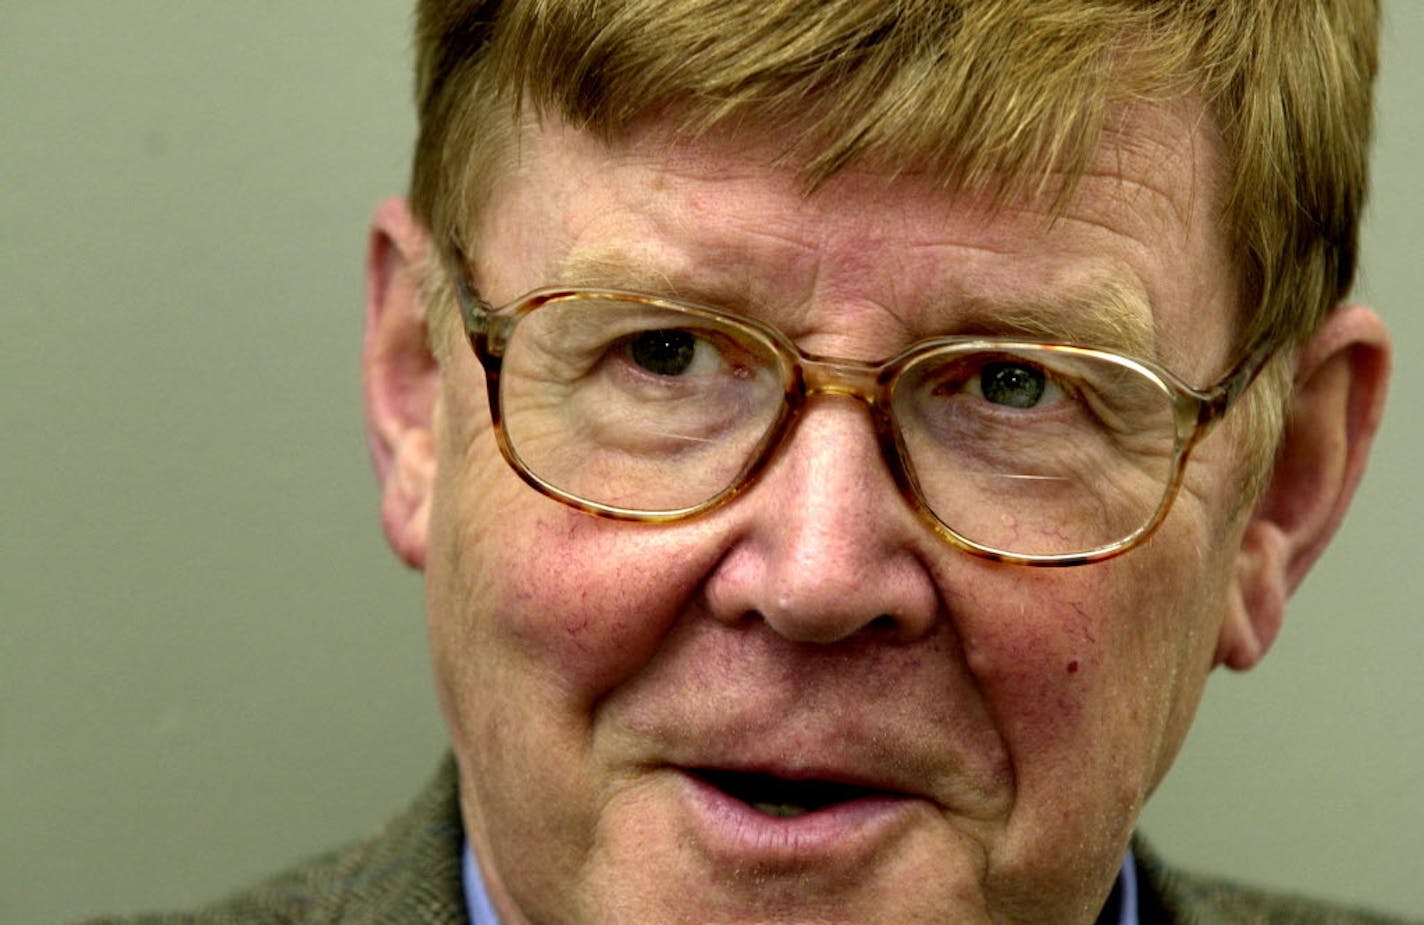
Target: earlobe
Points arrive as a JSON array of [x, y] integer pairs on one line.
[[400, 378], [1331, 418], [1257, 606]]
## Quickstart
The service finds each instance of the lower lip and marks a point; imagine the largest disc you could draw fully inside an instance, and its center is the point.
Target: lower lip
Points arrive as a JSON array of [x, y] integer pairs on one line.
[[850, 832]]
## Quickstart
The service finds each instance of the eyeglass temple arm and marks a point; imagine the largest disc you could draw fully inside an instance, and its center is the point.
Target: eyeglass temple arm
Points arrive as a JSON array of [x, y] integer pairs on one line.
[[477, 313], [1220, 397]]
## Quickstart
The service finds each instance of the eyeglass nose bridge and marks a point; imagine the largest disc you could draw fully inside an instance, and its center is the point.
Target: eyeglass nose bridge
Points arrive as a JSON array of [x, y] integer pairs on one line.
[[867, 383], [822, 375]]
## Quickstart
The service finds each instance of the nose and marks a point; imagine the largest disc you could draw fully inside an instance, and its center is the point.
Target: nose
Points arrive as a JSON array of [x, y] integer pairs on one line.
[[824, 545]]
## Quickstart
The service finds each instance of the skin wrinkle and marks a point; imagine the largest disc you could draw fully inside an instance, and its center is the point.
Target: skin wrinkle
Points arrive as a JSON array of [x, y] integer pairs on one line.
[[551, 631], [1103, 313], [755, 660], [1134, 345], [1055, 74], [778, 237], [1135, 141], [837, 712], [558, 615], [959, 596]]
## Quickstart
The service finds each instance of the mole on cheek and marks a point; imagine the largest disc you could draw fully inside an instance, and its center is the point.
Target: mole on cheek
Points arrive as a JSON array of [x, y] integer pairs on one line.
[[1073, 667]]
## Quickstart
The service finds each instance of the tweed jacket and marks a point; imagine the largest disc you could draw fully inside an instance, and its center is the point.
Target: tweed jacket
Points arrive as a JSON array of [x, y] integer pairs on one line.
[[409, 872]]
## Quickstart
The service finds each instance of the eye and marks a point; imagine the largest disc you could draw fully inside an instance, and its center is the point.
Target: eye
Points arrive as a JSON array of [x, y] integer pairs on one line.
[[663, 352], [1014, 385]]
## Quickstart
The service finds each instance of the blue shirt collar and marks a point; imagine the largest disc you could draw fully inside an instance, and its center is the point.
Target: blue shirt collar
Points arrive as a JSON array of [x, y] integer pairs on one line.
[[1126, 890], [477, 901]]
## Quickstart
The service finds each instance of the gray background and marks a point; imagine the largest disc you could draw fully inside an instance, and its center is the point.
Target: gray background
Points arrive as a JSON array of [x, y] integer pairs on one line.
[[210, 665]]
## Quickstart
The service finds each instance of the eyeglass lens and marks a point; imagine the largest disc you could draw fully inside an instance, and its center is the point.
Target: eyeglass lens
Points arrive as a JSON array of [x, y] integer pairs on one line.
[[1030, 450]]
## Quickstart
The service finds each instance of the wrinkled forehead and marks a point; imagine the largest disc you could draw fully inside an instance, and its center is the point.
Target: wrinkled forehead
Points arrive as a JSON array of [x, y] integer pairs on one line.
[[1163, 155], [1169, 148], [728, 200]]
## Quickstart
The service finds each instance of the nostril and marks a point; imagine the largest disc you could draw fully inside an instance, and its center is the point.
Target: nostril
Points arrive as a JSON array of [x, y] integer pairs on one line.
[[813, 574], [885, 623]]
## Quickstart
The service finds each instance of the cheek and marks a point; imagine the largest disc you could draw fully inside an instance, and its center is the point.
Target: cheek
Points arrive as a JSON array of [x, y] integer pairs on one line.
[[528, 595], [1097, 668], [1039, 655], [585, 599]]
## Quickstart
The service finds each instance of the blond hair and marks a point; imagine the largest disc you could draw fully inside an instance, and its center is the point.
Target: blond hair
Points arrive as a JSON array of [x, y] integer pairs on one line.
[[1005, 93]]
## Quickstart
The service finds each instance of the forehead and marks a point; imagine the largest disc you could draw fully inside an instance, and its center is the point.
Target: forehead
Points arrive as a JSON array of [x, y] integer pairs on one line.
[[1131, 259]]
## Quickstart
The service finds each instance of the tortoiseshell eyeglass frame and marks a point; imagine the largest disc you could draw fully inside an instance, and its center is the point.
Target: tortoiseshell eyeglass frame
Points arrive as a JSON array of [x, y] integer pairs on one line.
[[488, 330]]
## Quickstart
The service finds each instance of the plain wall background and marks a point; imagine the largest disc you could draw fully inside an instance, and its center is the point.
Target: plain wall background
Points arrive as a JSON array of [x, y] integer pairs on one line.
[[210, 665]]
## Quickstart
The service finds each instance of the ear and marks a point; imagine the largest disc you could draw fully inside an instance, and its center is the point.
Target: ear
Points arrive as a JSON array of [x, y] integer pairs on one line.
[[400, 378], [1331, 418]]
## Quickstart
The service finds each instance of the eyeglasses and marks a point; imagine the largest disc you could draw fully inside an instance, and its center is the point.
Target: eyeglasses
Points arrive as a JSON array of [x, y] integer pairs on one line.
[[640, 408]]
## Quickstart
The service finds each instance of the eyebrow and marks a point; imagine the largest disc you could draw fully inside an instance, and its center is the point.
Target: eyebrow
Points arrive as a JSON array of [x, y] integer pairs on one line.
[[1104, 310], [614, 268]]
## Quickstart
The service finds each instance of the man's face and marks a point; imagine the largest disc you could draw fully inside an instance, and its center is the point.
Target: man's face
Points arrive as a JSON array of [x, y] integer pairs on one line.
[[622, 696]]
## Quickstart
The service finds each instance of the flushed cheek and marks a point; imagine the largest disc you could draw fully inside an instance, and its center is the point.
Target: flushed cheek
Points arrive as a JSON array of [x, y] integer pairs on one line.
[[581, 602], [1059, 678], [1038, 665], [1069, 678], [1089, 672]]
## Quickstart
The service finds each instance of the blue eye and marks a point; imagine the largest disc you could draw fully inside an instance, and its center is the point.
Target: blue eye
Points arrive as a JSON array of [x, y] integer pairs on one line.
[[1012, 384], [665, 352]]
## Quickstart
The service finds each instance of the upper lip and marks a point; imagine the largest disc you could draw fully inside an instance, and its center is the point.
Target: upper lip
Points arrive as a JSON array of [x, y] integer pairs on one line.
[[901, 753], [865, 762], [840, 747], [843, 749]]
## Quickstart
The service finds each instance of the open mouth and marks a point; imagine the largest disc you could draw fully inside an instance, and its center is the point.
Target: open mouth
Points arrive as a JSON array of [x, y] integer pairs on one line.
[[780, 797]]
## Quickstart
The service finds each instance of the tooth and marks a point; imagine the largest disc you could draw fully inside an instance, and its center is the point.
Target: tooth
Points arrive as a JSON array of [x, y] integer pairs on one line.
[[780, 810]]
